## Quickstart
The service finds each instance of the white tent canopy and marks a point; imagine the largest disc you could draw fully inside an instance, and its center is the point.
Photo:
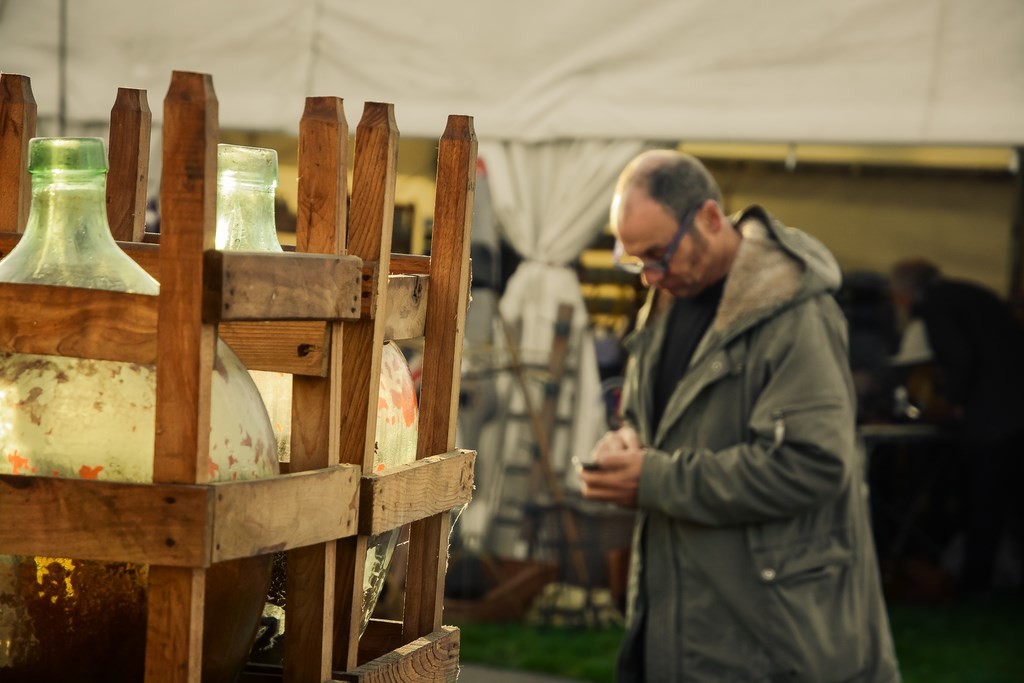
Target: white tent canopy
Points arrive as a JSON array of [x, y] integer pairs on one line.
[[856, 71]]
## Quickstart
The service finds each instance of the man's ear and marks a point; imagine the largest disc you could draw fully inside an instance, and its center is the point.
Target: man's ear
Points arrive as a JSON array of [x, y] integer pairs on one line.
[[711, 215]]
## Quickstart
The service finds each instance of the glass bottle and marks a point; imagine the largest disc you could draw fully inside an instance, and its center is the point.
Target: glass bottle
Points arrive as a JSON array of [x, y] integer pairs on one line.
[[246, 181], [63, 618]]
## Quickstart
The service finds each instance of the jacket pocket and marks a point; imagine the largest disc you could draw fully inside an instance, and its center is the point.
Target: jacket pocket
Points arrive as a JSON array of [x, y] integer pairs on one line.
[[812, 621]]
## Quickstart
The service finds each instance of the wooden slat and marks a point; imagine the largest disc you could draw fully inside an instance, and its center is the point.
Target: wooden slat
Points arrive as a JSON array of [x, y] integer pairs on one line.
[[83, 323], [411, 492], [433, 657], [100, 520], [174, 624], [381, 637], [322, 201], [258, 286], [296, 347], [128, 159], [371, 215], [442, 358], [409, 264], [17, 127], [405, 312], [261, 516], [185, 348]]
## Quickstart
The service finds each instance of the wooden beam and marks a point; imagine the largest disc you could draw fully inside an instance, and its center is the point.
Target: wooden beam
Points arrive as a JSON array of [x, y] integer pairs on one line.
[[442, 360], [436, 653], [407, 493], [101, 520], [78, 322], [322, 202], [261, 516], [409, 264], [128, 158], [372, 212], [296, 347], [259, 286], [18, 114], [186, 349]]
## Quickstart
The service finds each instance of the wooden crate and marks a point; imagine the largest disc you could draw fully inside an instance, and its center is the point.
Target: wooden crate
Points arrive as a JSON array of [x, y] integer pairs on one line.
[[322, 314]]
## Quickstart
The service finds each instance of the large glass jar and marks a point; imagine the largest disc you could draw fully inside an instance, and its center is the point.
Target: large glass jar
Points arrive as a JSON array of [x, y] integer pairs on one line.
[[65, 619], [246, 181]]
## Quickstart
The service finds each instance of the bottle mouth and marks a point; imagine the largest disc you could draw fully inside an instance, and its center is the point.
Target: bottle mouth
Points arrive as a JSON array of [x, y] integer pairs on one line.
[[66, 155], [252, 167]]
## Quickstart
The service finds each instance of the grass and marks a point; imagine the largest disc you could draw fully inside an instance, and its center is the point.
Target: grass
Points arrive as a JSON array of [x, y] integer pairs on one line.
[[976, 641]]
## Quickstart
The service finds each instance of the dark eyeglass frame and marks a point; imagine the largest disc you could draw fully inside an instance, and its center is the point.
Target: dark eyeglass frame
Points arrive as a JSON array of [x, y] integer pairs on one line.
[[661, 265]]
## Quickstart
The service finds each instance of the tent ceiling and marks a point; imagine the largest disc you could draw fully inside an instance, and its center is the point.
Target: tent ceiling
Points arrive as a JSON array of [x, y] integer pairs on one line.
[[849, 71]]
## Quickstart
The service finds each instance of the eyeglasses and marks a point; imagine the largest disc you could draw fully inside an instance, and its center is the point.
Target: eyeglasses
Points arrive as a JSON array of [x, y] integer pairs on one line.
[[637, 265]]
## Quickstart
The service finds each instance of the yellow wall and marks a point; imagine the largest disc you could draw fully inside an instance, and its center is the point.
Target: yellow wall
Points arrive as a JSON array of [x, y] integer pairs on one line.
[[869, 220]]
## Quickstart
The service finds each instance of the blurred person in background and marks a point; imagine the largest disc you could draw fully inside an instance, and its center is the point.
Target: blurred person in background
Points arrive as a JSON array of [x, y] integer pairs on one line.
[[978, 347], [752, 555]]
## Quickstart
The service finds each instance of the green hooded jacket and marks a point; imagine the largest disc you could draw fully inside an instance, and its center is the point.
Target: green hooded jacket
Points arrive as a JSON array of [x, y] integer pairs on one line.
[[753, 557]]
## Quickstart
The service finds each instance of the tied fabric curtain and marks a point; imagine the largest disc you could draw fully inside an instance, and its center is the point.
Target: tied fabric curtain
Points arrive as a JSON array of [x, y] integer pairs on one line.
[[551, 201]]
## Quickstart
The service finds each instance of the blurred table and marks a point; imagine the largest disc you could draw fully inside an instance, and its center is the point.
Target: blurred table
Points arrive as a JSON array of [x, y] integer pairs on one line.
[[875, 436]]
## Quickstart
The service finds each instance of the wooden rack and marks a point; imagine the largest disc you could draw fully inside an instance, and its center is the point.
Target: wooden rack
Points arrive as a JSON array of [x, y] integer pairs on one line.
[[322, 314]]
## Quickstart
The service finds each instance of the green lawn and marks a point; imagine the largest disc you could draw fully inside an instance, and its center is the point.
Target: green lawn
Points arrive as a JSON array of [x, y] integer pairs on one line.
[[979, 641]]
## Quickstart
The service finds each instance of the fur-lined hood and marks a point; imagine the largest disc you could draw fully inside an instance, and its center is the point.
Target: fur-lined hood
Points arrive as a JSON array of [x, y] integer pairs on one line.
[[775, 266]]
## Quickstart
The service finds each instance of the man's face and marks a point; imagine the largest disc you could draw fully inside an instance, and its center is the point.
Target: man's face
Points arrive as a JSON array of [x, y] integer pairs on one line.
[[645, 229]]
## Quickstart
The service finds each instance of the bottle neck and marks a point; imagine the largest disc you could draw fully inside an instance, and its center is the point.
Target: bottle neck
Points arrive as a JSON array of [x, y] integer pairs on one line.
[[69, 210], [245, 218], [67, 239]]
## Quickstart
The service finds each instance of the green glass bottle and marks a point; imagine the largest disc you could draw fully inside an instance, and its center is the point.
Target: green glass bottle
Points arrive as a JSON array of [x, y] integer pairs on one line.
[[61, 618]]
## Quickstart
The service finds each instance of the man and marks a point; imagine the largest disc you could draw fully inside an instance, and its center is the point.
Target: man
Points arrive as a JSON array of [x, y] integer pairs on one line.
[[976, 342], [752, 556]]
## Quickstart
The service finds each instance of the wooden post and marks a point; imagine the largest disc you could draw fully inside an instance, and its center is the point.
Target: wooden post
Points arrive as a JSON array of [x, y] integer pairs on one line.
[[442, 360], [18, 115], [185, 350], [128, 155], [322, 200], [370, 218]]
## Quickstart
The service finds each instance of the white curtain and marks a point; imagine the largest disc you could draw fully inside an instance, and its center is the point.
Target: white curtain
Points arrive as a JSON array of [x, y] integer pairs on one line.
[[551, 201]]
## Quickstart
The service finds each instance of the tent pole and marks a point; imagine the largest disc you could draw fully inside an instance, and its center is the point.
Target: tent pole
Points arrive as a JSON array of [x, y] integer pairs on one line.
[[1017, 234], [62, 69]]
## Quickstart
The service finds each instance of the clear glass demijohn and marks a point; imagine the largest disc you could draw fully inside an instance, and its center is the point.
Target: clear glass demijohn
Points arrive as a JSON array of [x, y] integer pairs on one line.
[[246, 182], [64, 619]]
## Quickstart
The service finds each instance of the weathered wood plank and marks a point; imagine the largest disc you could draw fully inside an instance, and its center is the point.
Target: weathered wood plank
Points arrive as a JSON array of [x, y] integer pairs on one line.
[[411, 492], [128, 159], [261, 516], [381, 637], [18, 119], [433, 657], [442, 359], [101, 520], [185, 347], [406, 310], [83, 323], [296, 347], [371, 214], [409, 264], [258, 286], [322, 203], [174, 624]]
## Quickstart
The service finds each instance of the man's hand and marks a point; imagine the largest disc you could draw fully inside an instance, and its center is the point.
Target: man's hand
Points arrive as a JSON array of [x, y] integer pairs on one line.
[[615, 476]]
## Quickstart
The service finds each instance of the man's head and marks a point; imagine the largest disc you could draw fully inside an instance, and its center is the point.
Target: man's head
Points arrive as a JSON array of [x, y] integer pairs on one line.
[[907, 282], [667, 213]]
